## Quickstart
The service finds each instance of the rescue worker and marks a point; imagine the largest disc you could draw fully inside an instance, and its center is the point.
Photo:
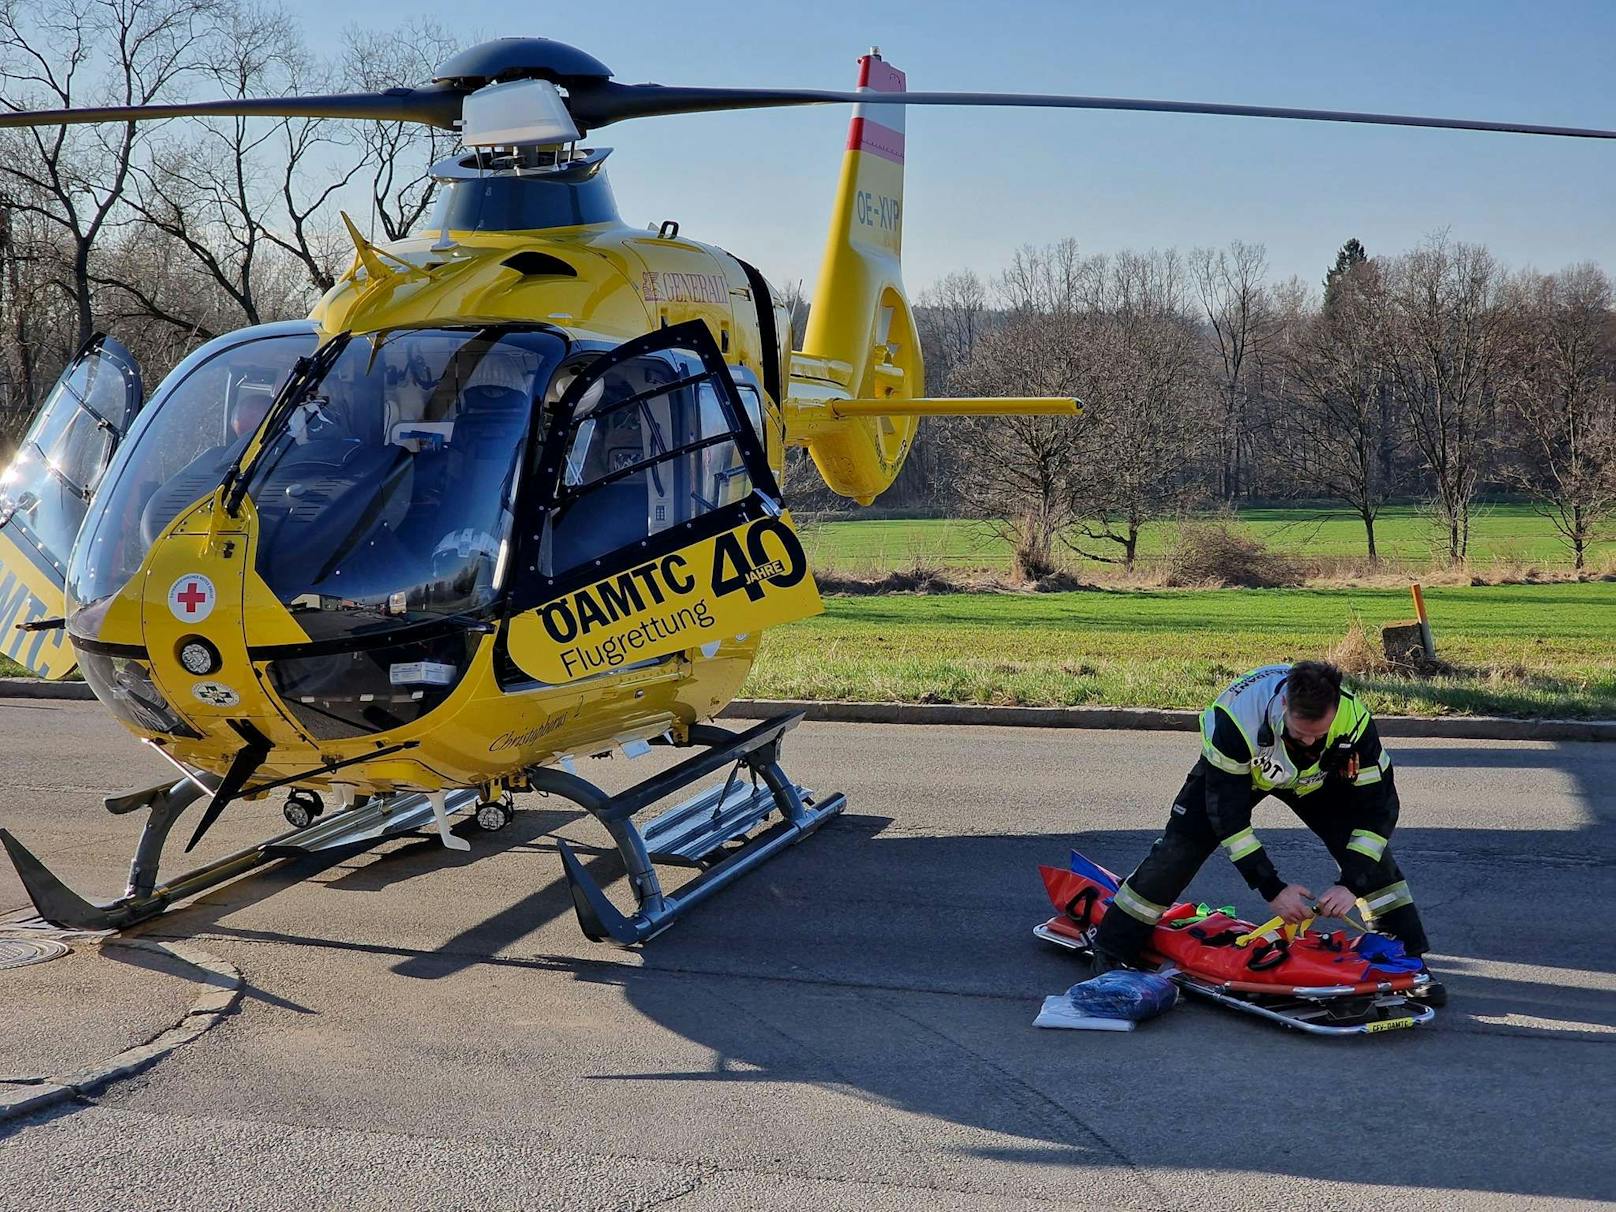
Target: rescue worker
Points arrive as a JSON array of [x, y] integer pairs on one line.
[[1294, 733]]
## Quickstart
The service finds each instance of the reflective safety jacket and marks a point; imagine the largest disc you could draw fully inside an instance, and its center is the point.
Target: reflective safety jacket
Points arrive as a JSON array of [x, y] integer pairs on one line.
[[1248, 757]]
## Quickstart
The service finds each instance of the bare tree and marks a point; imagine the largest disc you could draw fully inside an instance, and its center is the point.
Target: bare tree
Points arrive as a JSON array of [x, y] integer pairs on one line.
[[1230, 283], [1013, 471], [1562, 402], [37, 319], [399, 155], [1444, 345], [62, 53], [951, 315], [1116, 333], [1335, 432], [211, 193], [794, 299], [1056, 280], [1143, 389]]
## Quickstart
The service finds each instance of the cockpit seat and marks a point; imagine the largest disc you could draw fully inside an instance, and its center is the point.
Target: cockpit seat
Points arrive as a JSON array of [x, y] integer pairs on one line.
[[610, 517], [489, 422], [481, 450]]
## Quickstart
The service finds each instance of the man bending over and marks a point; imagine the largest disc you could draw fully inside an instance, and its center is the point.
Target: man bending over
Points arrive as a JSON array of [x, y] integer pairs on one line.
[[1294, 733]]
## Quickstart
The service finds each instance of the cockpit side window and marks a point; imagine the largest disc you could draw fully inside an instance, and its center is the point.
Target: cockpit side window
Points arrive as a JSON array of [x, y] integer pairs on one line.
[[196, 424], [649, 446]]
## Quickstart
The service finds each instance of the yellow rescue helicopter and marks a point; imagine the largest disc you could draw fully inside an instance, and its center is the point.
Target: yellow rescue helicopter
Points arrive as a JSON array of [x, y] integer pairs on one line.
[[510, 495]]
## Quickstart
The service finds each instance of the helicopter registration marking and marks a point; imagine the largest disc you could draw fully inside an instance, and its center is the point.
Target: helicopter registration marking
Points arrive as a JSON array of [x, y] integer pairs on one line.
[[737, 582], [877, 210]]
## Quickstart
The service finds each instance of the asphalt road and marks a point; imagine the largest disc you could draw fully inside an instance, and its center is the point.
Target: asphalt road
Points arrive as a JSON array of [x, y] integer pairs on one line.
[[850, 1027]]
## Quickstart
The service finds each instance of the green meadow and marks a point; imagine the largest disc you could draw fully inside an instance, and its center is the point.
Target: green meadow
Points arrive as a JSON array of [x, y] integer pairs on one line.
[[1521, 650], [1500, 533]]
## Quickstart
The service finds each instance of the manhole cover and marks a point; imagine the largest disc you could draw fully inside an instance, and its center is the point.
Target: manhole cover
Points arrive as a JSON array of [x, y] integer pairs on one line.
[[18, 952]]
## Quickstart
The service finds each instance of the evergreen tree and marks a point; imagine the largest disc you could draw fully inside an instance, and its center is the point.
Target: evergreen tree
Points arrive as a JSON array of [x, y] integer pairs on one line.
[[1350, 254]]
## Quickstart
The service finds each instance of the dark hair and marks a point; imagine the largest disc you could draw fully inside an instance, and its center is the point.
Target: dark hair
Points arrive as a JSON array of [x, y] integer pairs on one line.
[[1313, 688]]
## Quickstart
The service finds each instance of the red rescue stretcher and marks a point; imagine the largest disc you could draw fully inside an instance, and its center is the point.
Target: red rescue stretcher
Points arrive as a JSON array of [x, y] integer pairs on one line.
[[1324, 982]]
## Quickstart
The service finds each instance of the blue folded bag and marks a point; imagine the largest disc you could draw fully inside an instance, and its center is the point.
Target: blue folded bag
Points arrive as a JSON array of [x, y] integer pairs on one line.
[[1112, 1001], [1122, 993], [1387, 955]]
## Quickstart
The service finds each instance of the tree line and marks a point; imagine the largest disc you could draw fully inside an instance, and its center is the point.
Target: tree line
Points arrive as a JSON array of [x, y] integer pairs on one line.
[[1435, 374]]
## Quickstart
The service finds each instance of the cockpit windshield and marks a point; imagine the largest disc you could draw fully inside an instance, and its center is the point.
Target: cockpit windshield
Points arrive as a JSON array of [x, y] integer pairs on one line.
[[385, 491]]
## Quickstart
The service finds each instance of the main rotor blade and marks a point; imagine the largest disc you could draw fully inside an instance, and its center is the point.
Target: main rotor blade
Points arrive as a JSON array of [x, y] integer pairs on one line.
[[600, 104], [435, 105]]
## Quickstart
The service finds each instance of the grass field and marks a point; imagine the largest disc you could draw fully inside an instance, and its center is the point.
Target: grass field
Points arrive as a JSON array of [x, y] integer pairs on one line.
[[1510, 533], [1522, 650]]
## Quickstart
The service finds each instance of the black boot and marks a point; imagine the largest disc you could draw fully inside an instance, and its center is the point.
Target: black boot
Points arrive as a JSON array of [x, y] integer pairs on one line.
[[1435, 993], [1101, 962]]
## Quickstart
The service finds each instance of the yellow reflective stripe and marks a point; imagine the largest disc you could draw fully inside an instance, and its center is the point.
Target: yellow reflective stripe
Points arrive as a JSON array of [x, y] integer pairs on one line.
[[1134, 905], [1222, 760], [1393, 896], [1370, 845], [1225, 763], [1367, 778], [1239, 845]]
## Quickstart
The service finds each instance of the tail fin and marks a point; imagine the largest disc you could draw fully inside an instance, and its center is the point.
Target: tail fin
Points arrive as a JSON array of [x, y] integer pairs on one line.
[[860, 334], [870, 206], [858, 387]]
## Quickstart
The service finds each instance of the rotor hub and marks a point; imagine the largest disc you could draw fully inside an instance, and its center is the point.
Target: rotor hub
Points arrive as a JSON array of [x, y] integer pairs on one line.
[[505, 59]]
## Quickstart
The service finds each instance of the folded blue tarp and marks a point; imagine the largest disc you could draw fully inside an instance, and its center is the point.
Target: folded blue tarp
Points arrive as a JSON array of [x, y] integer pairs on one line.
[[1112, 1001]]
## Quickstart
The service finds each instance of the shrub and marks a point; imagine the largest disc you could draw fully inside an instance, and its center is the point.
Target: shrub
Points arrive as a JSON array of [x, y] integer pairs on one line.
[[1358, 655], [1218, 553]]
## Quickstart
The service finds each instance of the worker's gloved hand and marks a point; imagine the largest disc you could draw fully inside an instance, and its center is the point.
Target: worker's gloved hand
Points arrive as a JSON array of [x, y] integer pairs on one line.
[[1293, 904], [1336, 902]]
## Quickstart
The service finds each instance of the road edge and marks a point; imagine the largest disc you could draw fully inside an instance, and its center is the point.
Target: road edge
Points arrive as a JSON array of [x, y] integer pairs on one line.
[[222, 983], [1152, 719], [1143, 719]]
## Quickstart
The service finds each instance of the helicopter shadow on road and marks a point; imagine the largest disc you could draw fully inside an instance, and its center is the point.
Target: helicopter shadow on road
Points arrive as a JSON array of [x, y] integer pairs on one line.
[[422, 853], [363, 868], [903, 968], [900, 968]]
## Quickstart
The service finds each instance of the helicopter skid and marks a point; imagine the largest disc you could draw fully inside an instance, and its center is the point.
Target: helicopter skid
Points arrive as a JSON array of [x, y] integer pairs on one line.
[[146, 898], [717, 830], [710, 826]]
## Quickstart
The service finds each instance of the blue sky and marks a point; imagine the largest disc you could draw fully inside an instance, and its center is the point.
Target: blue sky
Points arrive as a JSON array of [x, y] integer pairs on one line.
[[982, 183]]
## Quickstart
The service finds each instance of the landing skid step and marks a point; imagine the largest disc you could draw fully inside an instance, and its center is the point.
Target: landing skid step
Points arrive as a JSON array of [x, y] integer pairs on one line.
[[690, 832], [693, 832], [1324, 1013]]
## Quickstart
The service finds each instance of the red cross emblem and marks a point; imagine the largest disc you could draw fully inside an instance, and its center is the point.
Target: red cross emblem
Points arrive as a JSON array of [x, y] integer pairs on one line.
[[191, 598]]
